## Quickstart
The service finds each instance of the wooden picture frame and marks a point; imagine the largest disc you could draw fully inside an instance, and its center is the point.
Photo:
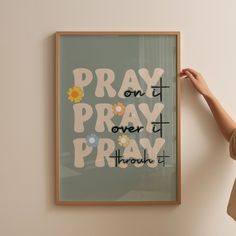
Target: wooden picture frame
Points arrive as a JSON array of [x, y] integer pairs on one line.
[[105, 81]]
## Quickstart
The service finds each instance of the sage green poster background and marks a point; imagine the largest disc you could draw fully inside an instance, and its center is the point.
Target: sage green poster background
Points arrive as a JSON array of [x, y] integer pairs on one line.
[[119, 53]]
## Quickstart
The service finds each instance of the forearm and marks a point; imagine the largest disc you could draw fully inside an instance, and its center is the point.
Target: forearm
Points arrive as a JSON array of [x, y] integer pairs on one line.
[[223, 119]]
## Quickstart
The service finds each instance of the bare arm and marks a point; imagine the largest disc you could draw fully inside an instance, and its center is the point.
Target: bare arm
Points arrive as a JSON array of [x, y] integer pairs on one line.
[[223, 119]]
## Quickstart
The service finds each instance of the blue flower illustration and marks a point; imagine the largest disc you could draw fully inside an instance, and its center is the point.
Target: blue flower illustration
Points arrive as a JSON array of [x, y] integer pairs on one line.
[[92, 140]]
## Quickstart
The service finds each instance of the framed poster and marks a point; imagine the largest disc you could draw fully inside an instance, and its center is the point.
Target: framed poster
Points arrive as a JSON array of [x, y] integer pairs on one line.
[[117, 118]]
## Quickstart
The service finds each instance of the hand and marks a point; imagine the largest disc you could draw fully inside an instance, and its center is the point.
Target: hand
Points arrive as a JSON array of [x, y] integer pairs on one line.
[[197, 80]]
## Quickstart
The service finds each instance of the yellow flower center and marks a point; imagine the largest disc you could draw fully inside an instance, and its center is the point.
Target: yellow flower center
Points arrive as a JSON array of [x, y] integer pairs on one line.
[[74, 94]]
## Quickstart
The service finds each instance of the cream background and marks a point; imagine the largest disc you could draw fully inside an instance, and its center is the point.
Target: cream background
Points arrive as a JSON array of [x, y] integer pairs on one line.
[[27, 117]]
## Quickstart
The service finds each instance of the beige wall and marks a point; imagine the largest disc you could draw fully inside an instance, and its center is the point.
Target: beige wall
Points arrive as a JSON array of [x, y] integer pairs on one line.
[[27, 141]]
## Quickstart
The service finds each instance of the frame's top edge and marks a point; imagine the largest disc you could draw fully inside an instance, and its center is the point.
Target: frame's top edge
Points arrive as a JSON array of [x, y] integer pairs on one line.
[[59, 33]]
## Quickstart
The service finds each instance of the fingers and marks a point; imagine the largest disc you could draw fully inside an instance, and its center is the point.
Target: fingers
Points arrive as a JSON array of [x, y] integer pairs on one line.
[[192, 71], [182, 75], [186, 73], [190, 75]]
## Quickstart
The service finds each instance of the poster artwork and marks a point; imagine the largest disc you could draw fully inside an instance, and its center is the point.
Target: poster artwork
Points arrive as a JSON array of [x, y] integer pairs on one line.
[[117, 118]]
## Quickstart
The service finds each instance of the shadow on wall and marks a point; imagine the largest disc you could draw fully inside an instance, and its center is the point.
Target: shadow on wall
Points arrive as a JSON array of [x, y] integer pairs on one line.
[[48, 48]]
